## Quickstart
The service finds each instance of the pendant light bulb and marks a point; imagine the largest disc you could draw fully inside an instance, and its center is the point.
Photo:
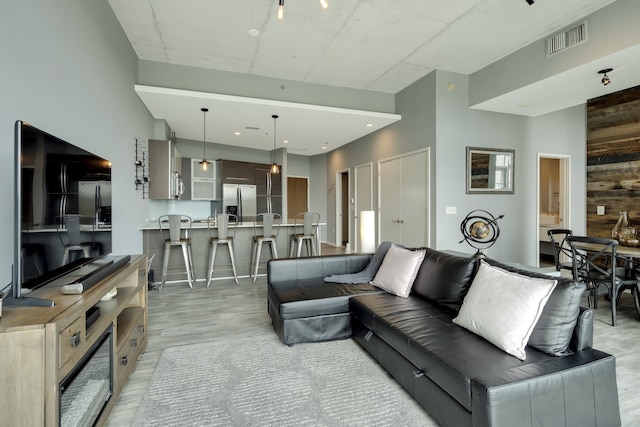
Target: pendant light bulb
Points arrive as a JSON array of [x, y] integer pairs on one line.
[[204, 164], [324, 4], [275, 169], [280, 10]]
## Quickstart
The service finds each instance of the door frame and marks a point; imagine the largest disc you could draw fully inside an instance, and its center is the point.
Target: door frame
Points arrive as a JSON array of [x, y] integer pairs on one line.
[[356, 213], [339, 213], [565, 184]]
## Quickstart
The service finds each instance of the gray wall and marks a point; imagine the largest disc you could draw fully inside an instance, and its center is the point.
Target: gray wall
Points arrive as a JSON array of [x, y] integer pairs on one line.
[[68, 69], [433, 116]]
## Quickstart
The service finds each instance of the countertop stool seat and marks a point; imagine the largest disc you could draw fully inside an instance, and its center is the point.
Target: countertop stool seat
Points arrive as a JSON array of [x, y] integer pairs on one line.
[[224, 237], [263, 232], [308, 221], [174, 230]]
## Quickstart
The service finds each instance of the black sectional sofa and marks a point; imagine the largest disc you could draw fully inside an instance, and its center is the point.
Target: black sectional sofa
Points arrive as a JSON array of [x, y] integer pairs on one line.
[[458, 377]]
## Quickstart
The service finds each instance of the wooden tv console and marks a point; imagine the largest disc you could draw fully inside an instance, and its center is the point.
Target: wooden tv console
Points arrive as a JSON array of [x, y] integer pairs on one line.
[[40, 346]]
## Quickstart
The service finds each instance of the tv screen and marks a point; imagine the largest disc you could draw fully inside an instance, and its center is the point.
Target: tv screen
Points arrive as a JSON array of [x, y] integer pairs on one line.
[[62, 208]]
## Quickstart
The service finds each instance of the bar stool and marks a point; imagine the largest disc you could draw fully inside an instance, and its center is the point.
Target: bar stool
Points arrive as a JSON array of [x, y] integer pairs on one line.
[[308, 220], [225, 237], [174, 231], [69, 226], [263, 232]]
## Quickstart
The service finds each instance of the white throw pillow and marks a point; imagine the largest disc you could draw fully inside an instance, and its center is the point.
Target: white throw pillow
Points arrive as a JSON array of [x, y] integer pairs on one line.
[[504, 307], [398, 270]]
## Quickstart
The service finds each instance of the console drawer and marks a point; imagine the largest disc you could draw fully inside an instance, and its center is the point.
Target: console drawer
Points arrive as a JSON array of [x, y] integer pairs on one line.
[[70, 340], [131, 342]]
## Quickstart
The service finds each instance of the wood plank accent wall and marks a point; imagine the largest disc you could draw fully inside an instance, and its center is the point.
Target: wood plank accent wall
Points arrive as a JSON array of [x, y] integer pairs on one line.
[[613, 159]]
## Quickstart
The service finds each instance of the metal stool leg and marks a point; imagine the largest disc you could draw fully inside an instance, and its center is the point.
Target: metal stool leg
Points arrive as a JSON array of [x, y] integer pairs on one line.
[[213, 246], [165, 264], [187, 264], [233, 261], [257, 260]]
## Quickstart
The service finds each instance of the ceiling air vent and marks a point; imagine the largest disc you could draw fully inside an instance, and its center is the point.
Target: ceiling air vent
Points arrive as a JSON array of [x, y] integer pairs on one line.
[[566, 39]]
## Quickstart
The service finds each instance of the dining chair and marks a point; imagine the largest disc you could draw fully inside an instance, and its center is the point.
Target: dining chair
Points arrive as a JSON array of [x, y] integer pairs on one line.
[[561, 251], [596, 262]]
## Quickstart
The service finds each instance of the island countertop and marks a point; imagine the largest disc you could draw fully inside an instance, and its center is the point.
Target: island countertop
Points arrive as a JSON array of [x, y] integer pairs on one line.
[[243, 240]]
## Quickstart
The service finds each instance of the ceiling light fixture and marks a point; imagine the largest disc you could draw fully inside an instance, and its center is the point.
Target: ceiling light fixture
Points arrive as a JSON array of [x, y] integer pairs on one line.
[[280, 9], [280, 14], [531, 2], [204, 164], [275, 169], [605, 79]]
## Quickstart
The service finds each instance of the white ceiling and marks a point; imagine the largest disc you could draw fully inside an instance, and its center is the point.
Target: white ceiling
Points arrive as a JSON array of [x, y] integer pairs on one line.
[[377, 45]]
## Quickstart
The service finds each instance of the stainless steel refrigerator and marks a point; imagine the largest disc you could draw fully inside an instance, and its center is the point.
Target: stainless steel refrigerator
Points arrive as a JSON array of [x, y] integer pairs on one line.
[[239, 200], [95, 201]]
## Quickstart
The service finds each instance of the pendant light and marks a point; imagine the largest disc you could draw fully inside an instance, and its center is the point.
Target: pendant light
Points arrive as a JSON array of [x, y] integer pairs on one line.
[[275, 169], [323, 3], [204, 164]]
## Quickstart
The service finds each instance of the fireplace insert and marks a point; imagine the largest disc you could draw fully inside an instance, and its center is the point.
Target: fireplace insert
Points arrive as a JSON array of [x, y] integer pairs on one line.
[[84, 393]]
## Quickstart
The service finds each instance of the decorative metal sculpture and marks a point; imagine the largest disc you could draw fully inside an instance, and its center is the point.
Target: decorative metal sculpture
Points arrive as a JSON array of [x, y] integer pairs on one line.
[[480, 230]]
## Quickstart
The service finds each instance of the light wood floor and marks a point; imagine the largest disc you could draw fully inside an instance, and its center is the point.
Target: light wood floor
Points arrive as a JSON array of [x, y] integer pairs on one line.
[[180, 316]]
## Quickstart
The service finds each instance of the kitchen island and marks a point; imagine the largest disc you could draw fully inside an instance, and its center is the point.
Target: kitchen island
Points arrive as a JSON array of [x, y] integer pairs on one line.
[[244, 232]]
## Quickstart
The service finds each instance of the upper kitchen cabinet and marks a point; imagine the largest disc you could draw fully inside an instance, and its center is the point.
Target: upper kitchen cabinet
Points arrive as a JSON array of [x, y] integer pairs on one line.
[[165, 170], [266, 182], [234, 172], [201, 184]]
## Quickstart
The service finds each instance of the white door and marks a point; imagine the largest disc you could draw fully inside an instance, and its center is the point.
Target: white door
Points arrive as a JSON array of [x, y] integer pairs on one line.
[[403, 199], [363, 176]]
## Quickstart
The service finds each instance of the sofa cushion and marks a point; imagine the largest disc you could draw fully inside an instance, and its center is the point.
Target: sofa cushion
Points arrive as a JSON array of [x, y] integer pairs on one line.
[[503, 307], [398, 270], [444, 278], [314, 297], [423, 333]]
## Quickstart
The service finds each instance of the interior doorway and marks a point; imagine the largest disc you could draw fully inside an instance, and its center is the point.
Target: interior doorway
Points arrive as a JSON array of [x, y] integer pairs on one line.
[[553, 201], [342, 207], [297, 195]]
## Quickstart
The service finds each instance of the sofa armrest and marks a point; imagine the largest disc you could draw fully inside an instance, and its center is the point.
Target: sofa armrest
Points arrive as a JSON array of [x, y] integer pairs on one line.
[[288, 269], [582, 338], [579, 389]]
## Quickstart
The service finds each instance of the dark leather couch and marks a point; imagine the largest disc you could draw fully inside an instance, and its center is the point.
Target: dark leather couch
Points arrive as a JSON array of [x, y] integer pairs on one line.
[[458, 377]]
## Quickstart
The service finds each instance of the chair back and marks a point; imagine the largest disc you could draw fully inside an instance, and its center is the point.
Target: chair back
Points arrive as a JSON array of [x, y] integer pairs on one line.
[[174, 227], [594, 258], [222, 221], [266, 221], [561, 250], [69, 225], [308, 221]]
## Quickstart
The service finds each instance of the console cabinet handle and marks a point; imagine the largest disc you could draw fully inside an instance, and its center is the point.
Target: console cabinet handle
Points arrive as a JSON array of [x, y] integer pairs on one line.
[[124, 360], [75, 339], [141, 328], [134, 342]]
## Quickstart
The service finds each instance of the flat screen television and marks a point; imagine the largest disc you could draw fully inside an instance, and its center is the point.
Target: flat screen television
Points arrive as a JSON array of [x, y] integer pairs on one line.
[[62, 209]]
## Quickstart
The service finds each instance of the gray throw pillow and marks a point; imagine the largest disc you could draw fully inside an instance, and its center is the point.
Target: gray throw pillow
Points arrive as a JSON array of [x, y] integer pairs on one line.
[[552, 334]]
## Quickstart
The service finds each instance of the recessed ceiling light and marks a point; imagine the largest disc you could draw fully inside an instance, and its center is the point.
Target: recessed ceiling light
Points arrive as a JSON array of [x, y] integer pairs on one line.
[[236, 133], [285, 141], [369, 125], [253, 32]]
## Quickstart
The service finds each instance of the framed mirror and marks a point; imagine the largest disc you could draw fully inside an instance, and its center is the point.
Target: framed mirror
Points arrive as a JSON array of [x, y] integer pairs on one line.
[[490, 170]]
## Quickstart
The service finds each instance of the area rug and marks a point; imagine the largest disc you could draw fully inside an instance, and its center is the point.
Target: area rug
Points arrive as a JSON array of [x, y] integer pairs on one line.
[[262, 382]]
